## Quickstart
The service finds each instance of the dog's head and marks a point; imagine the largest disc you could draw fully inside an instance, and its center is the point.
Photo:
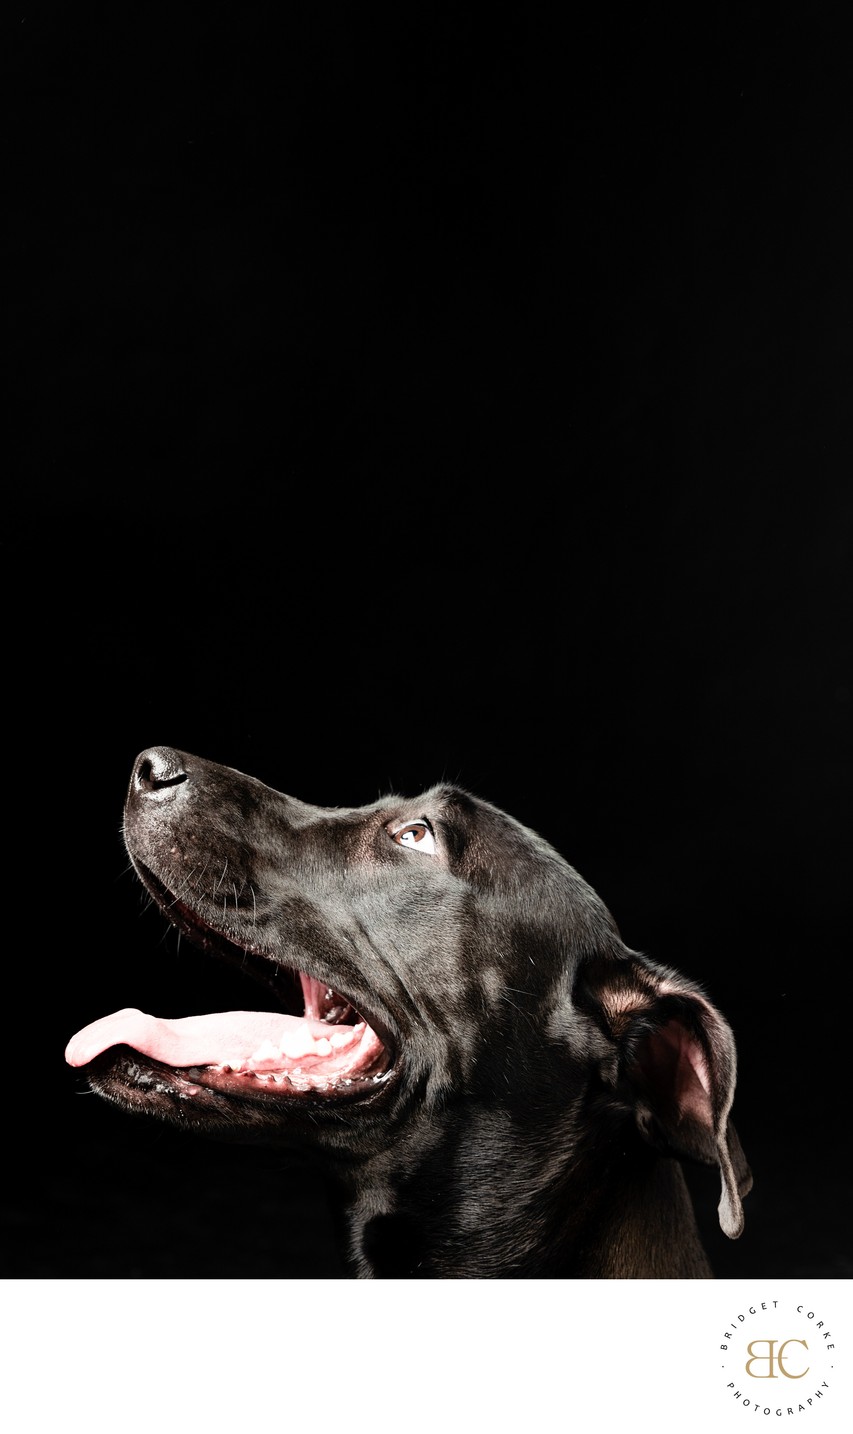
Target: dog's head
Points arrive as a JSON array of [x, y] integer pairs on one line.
[[415, 953]]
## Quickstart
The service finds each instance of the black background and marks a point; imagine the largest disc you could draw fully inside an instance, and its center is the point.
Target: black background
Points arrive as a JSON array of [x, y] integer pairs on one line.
[[419, 396]]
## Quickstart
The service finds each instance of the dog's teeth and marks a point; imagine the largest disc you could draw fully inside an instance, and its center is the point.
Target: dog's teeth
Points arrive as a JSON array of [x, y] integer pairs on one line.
[[265, 1053], [295, 1043]]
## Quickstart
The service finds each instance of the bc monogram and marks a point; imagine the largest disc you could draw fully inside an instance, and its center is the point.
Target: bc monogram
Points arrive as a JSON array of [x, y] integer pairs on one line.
[[772, 1358]]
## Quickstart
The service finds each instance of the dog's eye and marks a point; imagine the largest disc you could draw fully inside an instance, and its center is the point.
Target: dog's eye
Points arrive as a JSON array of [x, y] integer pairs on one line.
[[416, 835]]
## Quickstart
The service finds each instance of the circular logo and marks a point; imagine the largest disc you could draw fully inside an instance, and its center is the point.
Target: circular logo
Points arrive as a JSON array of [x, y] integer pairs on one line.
[[778, 1357]]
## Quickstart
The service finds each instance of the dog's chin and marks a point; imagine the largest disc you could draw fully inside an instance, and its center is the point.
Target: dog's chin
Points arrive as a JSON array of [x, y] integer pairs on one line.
[[224, 1101]]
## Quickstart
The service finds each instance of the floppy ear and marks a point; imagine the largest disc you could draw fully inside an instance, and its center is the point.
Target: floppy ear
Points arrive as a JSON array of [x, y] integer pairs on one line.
[[677, 1054]]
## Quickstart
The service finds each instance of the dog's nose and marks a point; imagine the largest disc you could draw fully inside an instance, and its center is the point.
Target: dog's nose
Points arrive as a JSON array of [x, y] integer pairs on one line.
[[158, 767]]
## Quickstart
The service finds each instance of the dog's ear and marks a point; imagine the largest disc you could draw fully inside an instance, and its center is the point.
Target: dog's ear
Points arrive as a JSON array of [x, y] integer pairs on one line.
[[677, 1055]]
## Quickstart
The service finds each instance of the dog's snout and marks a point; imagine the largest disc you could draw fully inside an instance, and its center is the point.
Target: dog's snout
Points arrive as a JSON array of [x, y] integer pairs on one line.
[[157, 768]]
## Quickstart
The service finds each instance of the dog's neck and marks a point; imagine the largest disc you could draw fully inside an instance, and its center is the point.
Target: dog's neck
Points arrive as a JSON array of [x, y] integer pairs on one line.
[[626, 1214], [643, 1230]]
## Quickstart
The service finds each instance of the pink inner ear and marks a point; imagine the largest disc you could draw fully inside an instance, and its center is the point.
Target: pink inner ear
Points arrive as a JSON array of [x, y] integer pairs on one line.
[[673, 1064]]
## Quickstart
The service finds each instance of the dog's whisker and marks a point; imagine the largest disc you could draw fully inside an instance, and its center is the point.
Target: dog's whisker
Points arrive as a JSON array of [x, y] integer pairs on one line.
[[521, 1011]]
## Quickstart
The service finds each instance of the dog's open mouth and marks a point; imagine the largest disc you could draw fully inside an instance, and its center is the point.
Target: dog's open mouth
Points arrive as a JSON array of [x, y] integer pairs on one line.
[[313, 1052], [330, 1049]]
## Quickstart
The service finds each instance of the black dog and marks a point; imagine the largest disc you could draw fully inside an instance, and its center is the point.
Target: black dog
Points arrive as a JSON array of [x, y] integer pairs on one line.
[[497, 1084]]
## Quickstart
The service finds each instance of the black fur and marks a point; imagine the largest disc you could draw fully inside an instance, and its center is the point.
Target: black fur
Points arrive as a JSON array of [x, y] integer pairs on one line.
[[543, 1081]]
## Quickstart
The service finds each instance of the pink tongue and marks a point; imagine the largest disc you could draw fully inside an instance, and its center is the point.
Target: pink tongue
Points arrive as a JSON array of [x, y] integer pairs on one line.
[[261, 1039]]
